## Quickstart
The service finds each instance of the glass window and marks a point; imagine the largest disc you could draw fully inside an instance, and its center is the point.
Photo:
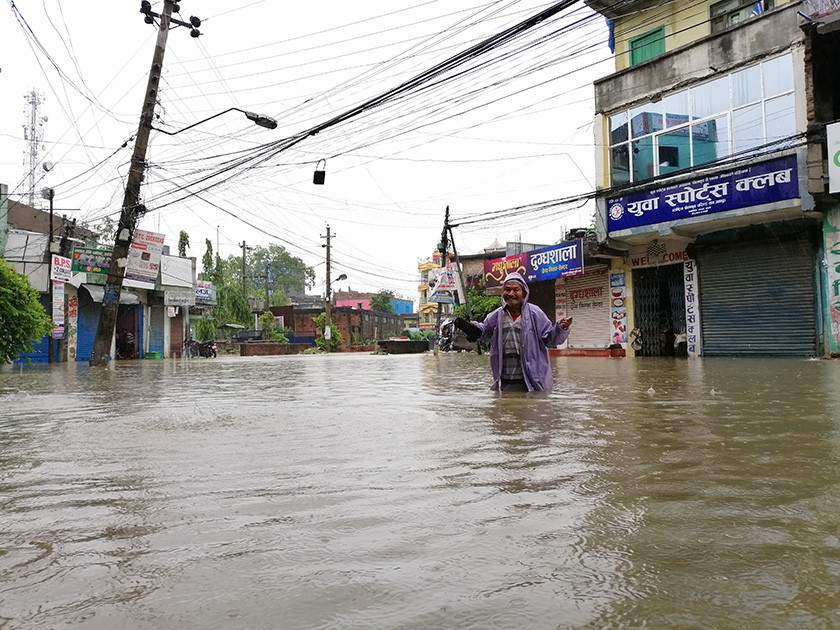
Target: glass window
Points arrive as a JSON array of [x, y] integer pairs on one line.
[[674, 151], [780, 118], [705, 123], [746, 86], [643, 162], [747, 128], [618, 128], [778, 75], [675, 107], [645, 120], [710, 98], [619, 165], [710, 140]]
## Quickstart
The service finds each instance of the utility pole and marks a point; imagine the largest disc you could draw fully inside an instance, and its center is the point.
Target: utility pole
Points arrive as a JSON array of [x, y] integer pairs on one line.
[[443, 248], [328, 300], [244, 286], [463, 284], [267, 290], [131, 207]]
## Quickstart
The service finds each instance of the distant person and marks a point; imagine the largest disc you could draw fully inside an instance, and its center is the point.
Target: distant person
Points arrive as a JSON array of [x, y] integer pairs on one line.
[[125, 344], [519, 334]]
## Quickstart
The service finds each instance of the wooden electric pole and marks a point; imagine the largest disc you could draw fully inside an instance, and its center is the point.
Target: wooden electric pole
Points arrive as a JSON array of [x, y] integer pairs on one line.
[[131, 207]]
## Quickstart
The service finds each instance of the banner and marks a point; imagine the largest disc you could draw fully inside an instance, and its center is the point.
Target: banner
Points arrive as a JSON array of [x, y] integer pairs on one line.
[[58, 309], [144, 260], [205, 292], [61, 268], [442, 285], [90, 260], [833, 140], [757, 184], [179, 297], [547, 263]]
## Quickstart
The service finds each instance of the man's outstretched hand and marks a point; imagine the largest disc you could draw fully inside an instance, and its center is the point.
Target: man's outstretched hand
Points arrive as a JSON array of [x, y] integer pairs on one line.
[[472, 331]]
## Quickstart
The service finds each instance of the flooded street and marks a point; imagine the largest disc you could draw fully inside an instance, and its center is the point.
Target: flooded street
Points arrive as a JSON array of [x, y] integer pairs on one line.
[[366, 491]]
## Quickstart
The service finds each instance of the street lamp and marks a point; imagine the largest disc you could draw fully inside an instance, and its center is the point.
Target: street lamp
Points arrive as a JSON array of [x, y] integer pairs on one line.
[[328, 307], [258, 119], [49, 193]]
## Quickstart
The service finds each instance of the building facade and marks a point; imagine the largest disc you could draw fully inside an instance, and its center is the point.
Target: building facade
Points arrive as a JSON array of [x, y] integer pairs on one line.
[[711, 159]]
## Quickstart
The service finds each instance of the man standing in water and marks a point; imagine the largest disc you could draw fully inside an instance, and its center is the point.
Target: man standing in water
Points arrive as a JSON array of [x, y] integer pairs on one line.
[[519, 334]]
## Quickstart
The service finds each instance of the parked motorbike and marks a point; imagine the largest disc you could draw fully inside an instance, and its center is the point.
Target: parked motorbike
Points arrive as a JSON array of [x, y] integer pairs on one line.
[[193, 348]]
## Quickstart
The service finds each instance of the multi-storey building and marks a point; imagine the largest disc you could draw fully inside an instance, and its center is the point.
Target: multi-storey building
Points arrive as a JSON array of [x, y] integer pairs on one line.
[[711, 164]]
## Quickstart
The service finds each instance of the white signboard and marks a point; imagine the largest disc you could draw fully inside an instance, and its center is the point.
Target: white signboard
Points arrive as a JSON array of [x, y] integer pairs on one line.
[[179, 297], [833, 140], [177, 272], [692, 309], [144, 260], [60, 268], [58, 308]]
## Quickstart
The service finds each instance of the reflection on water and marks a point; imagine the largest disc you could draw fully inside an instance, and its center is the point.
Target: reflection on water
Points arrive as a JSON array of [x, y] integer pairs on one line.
[[399, 491]]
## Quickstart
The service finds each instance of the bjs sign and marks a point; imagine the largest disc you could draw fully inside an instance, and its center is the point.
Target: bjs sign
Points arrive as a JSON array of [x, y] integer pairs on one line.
[[757, 184]]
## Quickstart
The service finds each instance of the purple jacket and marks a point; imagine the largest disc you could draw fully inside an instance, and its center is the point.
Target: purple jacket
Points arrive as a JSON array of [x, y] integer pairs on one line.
[[538, 334]]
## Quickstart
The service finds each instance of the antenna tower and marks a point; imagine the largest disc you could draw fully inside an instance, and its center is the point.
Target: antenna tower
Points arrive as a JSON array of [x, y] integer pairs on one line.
[[33, 135]]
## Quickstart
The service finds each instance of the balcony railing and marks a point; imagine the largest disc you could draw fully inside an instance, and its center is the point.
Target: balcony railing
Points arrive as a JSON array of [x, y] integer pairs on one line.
[[820, 8]]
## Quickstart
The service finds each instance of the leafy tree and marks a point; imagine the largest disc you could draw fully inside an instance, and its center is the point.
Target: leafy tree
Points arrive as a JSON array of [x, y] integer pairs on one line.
[[231, 307], [22, 318], [207, 270], [481, 304], [286, 273], [381, 301], [183, 244], [335, 337], [271, 330], [104, 233], [205, 329]]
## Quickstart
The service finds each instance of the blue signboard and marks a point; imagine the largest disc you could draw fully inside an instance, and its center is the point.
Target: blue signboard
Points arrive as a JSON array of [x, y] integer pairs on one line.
[[552, 262], [765, 182]]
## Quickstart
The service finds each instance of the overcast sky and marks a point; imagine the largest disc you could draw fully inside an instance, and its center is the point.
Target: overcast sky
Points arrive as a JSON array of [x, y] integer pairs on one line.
[[508, 128]]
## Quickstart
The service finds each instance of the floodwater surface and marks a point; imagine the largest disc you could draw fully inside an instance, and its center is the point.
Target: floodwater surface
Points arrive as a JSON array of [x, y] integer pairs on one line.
[[365, 491]]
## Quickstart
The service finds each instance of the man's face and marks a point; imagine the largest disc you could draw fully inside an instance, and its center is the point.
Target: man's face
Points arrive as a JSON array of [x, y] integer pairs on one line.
[[513, 293]]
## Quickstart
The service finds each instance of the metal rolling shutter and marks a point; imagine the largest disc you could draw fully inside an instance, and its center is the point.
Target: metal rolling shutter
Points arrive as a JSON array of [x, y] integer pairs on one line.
[[758, 299], [591, 310], [156, 322]]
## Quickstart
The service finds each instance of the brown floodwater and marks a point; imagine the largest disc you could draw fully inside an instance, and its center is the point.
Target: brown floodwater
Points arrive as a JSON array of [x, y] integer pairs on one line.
[[364, 491]]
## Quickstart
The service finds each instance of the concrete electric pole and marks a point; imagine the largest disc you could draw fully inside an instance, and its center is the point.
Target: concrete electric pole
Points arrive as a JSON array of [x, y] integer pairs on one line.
[[131, 207], [328, 297]]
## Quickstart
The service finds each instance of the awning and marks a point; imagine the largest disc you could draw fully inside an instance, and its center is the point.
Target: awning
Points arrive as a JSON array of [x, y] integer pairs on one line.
[[97, 292]]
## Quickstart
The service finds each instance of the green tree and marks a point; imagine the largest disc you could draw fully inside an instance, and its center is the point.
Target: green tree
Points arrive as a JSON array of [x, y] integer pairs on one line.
[[183, 244], [104, 233], [22, 318], [286, 273], [381, 301], [481, 304], [231, 307], [335, 337], [207, 270], [271, 330]]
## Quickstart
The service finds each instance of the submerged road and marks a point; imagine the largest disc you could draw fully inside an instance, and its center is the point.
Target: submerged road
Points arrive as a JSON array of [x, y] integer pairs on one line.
[[365, 491]]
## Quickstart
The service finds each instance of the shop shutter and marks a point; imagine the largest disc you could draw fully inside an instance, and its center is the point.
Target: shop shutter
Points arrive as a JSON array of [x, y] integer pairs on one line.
[[87, 324], [156, 322], [758, 299], [587, 300]]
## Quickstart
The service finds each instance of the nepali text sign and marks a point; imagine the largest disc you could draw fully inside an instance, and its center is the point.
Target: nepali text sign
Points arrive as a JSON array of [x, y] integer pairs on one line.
[[90, 260], [766, 182], [144, 260], [61, 268], [179, 297], [548, 263]]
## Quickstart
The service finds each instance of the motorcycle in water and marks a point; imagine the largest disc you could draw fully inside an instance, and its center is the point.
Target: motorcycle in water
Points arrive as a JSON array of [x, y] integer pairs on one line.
[[193, 348]]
